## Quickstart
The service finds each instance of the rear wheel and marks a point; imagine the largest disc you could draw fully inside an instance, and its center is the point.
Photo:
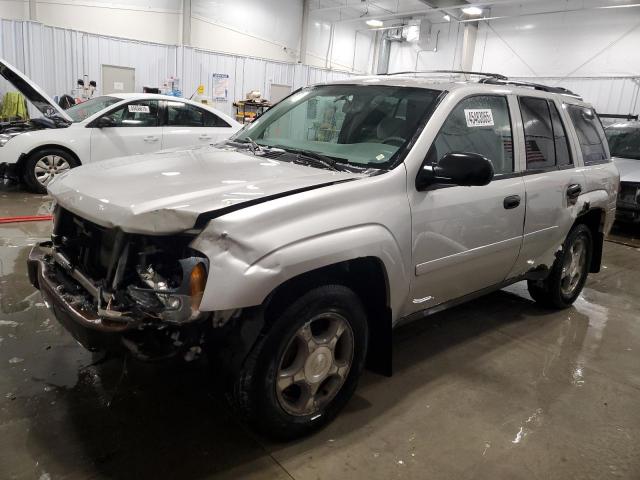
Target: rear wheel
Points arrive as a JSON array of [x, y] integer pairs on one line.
[[42, 166], [569, 272], [306, 365]]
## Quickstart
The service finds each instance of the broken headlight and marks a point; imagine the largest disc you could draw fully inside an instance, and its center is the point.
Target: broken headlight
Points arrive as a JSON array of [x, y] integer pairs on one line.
[[172, 297]]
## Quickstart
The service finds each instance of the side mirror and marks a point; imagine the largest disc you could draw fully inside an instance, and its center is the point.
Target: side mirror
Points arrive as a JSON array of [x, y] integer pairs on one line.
[[456, 168], [105, 122]]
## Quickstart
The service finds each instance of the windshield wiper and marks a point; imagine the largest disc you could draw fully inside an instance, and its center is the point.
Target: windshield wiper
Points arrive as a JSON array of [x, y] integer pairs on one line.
[[309, 156]]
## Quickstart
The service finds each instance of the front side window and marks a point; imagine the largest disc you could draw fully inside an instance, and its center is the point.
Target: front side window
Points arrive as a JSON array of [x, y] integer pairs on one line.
[[84, 110], [142, 113], [624, 141], [478, 124], [590, 134], [363, 125]]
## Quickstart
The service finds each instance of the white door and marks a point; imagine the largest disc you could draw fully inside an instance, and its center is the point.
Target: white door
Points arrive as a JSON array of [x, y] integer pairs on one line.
[[468, 238], [131, 129], [191, 125]]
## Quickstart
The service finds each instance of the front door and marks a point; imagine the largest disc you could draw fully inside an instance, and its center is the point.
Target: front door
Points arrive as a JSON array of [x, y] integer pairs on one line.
[[134, 129], [468, 238]]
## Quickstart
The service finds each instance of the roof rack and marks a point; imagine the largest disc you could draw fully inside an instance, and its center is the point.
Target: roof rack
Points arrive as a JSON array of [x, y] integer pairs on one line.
[[628, 116], [497, 76], [535, 86]]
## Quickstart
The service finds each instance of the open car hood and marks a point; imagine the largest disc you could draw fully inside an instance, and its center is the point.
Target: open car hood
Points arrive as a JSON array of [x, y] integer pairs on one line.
[[175, 190], [32, 92]]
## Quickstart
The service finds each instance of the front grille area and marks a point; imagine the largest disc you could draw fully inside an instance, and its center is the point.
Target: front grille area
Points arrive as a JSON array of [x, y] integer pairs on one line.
[[88, 246], [628, 193]]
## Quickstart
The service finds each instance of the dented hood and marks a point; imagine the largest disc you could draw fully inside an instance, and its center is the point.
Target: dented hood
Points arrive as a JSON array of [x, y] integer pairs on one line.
[[32, 92], [166, 192]]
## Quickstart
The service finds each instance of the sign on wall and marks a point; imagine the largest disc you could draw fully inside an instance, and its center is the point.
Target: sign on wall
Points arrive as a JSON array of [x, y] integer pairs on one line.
[[220, 87]]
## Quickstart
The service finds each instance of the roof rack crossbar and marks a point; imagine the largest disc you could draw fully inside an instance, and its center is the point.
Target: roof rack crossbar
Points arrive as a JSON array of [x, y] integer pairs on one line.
[[497, 76], [535, 86]]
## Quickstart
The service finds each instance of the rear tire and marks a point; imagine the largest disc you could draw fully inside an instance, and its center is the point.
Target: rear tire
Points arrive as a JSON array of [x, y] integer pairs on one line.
[[305, 365], [569, 272], [43, 165]]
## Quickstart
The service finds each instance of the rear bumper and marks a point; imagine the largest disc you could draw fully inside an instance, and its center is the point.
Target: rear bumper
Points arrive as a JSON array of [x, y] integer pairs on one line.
[[87, 328]]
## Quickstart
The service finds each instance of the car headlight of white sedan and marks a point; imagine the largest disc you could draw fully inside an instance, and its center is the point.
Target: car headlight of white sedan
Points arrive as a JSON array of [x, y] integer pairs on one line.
[[4, 138]]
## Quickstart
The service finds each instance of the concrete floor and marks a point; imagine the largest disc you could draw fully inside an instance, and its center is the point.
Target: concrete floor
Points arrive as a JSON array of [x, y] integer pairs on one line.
[[497, 388]]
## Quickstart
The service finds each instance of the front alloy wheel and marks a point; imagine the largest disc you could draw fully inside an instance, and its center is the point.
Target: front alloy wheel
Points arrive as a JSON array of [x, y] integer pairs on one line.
[[315, 364], [48, 167], [306, 363]]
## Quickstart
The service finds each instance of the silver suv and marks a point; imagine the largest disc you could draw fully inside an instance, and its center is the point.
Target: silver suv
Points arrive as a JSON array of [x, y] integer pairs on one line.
[[291, 251]]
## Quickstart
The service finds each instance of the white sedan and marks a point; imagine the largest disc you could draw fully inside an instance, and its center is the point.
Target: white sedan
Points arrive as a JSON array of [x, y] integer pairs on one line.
[[103, 127]]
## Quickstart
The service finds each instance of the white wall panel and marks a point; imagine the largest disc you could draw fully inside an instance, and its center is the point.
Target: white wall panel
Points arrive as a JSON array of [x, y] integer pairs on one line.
[[55, 58], [277, 21], [617, 95]]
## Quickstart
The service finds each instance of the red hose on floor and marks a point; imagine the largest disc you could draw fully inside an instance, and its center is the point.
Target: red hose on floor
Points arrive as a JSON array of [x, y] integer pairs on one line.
[[28, 218]]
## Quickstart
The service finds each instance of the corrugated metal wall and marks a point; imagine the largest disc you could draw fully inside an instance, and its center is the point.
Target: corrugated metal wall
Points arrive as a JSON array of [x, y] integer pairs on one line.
[[618, 95], [55, 58]]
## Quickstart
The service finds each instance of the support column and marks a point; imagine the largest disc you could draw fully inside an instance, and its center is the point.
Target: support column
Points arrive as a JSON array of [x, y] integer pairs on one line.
[[468, 45], [33, 10], [186, 22], [304, 34]]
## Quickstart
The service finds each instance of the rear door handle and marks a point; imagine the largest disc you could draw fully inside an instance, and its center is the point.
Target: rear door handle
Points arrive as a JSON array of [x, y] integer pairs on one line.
[[512, 201], [205, 137], [151, 138], [573, 191]]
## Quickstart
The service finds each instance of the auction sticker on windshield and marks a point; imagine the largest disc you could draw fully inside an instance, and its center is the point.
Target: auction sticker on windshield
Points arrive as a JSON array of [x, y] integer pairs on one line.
[[478, 117]]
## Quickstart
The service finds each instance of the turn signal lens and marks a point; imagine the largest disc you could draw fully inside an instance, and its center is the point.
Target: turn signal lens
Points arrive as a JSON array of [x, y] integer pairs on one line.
[[197, 282]]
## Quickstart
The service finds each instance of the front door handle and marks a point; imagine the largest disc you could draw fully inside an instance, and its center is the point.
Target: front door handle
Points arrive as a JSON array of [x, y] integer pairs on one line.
[[573, 191], [205, 137], [512, 201], [151, 138]]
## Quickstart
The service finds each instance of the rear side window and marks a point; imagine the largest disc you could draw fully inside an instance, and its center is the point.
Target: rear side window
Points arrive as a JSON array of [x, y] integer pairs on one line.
[[181, 114], [590, 134], [478, 124], [563, 155], [545, 136]]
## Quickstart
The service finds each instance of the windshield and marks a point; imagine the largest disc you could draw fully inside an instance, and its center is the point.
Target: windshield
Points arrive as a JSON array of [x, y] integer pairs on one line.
[[363, 125], [624, 142], [84, 110]]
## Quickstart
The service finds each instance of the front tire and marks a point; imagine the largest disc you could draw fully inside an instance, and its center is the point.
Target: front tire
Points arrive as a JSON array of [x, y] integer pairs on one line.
[[306, 364], [42, 166], [569, 272]]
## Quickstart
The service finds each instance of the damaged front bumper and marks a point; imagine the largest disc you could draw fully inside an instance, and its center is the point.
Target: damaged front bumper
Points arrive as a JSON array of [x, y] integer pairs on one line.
[[84, 309]]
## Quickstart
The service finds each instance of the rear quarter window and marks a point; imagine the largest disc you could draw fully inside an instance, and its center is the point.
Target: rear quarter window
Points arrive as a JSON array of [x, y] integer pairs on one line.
[[590, 134]]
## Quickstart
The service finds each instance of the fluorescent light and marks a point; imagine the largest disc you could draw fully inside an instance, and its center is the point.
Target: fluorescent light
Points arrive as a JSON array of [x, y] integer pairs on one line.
[[374, 23], [622, 6], [472, 11], [447, 18]]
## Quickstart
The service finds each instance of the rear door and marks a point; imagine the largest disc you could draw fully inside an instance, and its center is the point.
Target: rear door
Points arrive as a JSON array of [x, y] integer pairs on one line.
[[135, 130], [552, 182], [188, 124]]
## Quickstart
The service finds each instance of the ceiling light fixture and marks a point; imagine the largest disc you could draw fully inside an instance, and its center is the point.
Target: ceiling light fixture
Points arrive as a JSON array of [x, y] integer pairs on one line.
[[472, 11], [622, 6], [374, 23], [447, 18]]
